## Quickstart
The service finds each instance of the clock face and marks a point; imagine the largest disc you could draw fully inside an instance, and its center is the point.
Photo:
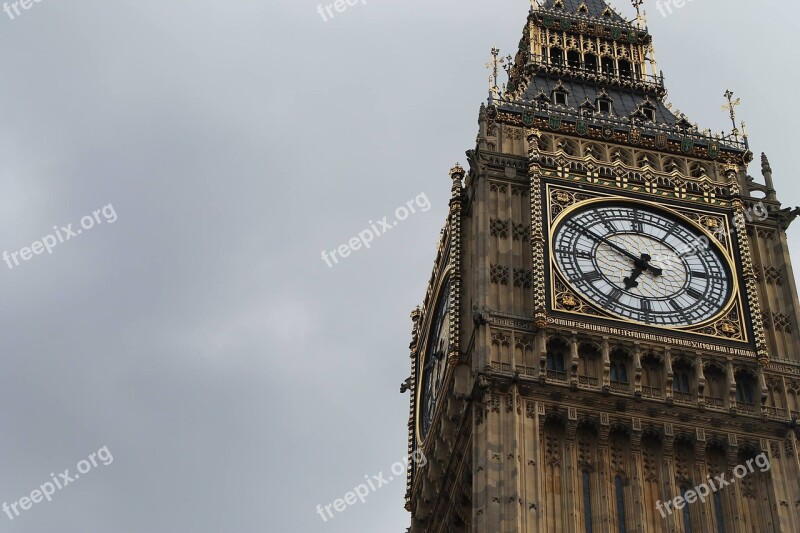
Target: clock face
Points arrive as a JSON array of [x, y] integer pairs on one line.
[[434, 362], [642, 263]]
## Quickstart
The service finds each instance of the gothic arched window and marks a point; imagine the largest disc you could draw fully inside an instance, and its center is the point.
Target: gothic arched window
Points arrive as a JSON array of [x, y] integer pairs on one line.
[[608, 65], [588, 365], [556, 354], [556, 56], [619, 373], [681, 382], [651, 377], [620, 496], [590, 62], [619, 370], [587, 501], [574, 59], [555, 361], [716, 385], [716, 458], [624, 68], [687, 517], [718, 513], [745, 391]]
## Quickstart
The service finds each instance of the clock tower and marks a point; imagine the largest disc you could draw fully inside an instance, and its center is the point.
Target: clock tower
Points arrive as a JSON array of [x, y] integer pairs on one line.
[[609, 341]]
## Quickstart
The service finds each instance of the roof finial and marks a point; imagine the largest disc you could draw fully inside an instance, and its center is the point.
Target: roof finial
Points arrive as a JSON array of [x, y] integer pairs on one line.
[[456, 174], [495, 63], [765, 166], [766, 171], [638, 4], [731, 106], [744, 135]]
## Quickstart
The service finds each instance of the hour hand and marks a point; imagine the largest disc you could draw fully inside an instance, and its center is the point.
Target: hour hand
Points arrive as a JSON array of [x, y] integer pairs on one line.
[[631, 283], [645, 265]]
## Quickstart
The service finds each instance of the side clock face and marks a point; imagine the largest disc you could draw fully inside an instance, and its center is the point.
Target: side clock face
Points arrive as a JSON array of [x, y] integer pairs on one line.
[[642, 263], [434, 362]]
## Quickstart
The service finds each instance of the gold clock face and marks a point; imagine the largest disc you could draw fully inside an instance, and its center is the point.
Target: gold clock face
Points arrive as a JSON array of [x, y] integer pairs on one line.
[[642, 263]]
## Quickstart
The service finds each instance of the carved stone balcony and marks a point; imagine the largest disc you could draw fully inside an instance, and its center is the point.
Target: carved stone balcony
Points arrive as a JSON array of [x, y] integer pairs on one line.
[[746, 408], [774, 412], [715, 403], [623, 388], [683, 397], [652, 392]]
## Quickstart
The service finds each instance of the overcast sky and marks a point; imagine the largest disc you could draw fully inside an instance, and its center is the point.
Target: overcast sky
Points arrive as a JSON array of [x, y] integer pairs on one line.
[[236, 379]]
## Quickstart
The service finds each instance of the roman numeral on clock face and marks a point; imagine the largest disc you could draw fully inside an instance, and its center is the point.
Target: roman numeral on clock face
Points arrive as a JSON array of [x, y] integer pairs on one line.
[[576, 253], [676, 306], [614, 295], [637, 222], [592, 276], [609, 226], [694, 293]]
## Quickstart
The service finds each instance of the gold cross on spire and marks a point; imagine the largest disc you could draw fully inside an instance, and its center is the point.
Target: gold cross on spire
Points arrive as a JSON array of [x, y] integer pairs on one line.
[[494, 64], [640, 19], [731, 106]]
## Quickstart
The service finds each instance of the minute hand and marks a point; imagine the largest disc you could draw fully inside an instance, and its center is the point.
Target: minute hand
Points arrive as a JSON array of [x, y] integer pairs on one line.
[[647, 266]]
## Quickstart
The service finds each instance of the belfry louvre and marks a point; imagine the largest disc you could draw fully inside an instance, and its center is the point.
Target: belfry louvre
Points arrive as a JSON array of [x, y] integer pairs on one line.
[[609, 338]]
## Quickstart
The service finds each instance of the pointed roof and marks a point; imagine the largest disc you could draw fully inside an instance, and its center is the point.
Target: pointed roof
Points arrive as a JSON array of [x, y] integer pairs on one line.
[[593, 8]]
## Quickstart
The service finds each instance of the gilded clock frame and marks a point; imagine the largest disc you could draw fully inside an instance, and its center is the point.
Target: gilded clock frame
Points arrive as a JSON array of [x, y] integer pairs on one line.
[[729, 324]]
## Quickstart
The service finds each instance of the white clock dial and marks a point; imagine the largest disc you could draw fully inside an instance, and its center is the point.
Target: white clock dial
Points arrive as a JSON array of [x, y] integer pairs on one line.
[[642, 263]]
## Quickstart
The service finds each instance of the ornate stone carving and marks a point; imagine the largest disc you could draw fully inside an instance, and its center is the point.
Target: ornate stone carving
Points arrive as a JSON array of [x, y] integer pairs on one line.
[[498, 228], [498, 274]]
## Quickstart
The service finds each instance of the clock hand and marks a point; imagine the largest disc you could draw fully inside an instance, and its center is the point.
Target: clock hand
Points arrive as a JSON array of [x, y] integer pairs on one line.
[[599, 238], [644, 258], [640, 265], [654, 270], [631, 282]]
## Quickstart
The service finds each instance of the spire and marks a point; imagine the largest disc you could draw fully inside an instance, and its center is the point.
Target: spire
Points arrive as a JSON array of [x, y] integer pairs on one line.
[[766, 171]]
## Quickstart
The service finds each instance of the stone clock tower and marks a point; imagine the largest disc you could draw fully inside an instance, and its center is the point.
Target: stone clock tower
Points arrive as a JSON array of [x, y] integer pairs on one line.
[[609, 341]]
